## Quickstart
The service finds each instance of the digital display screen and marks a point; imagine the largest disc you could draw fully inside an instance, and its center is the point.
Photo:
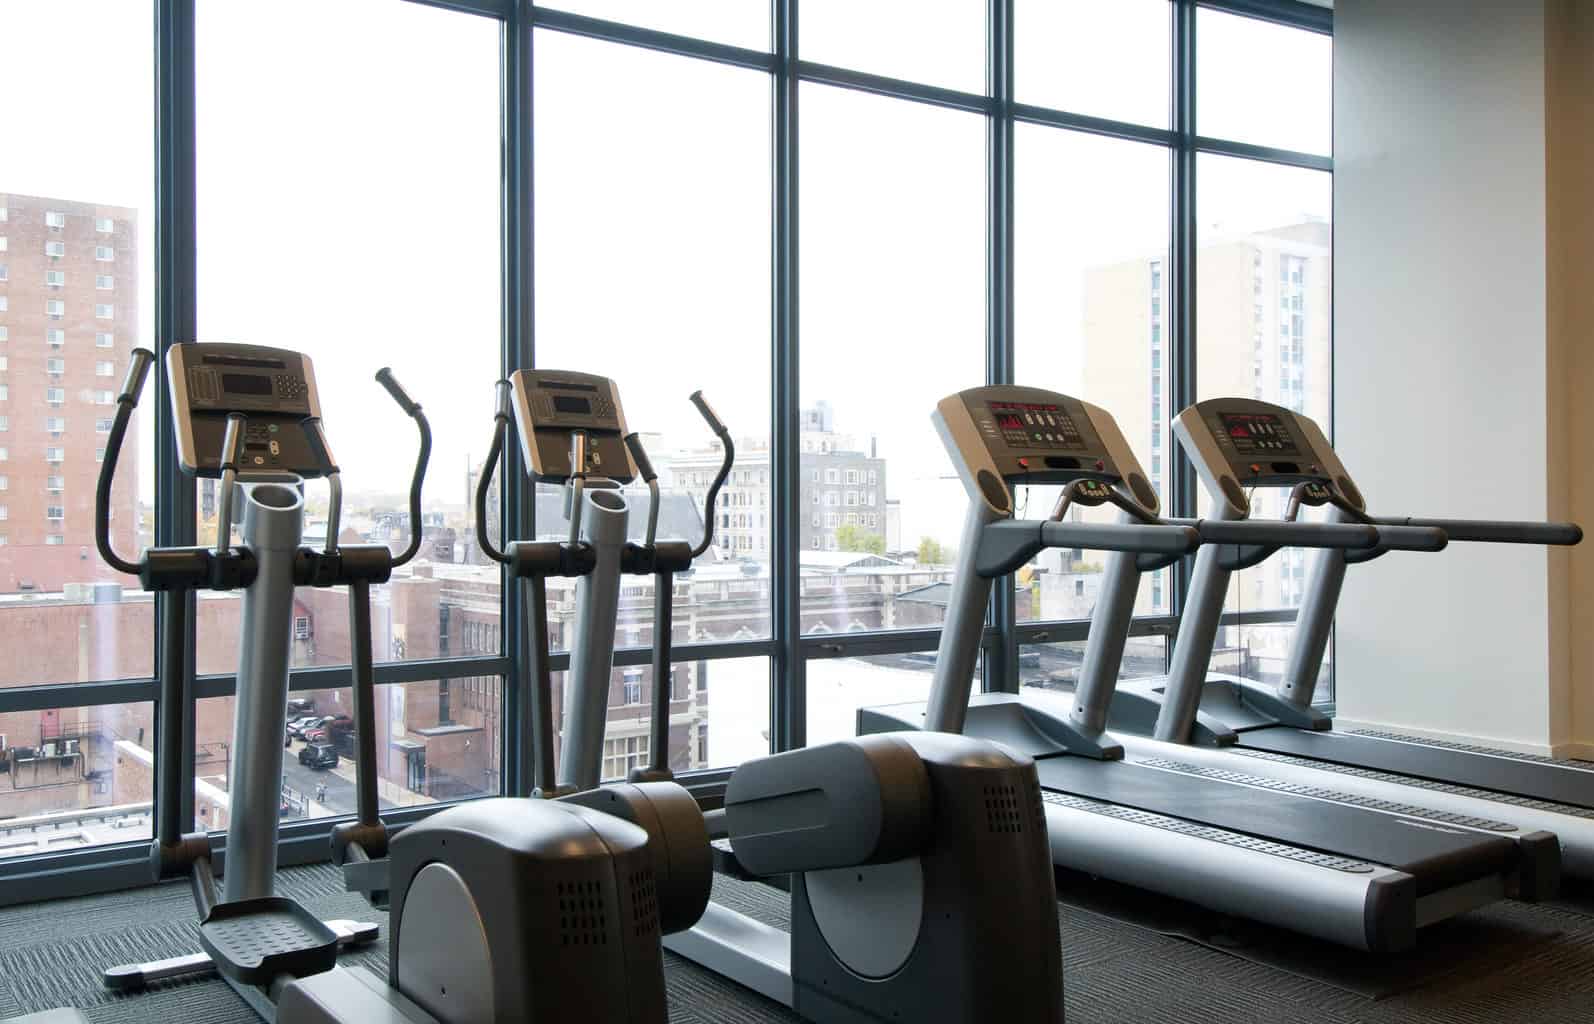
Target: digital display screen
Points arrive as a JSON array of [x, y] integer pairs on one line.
[[1036, 425], [570, 403], [246, 384], [1258, 432]]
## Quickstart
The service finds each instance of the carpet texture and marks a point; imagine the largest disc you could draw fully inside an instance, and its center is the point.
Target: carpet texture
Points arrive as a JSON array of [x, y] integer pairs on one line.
[[1130, 958]]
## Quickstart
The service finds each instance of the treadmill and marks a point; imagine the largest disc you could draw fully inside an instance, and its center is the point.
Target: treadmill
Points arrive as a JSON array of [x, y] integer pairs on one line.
[[1237, 444], [1359, 872]]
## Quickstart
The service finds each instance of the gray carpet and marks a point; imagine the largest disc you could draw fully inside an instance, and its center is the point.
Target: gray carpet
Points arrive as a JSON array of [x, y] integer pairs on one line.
[[1129, 958]]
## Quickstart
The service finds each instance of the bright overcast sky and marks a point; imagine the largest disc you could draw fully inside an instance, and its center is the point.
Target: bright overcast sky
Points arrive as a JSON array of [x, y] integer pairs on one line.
[[349, 197]]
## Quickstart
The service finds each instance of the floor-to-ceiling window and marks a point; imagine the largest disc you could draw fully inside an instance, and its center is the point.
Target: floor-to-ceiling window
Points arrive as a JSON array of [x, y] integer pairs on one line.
[[827, 216]]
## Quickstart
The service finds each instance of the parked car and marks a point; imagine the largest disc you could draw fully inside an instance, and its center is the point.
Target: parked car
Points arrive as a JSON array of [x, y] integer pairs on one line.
[[300, 706], [318, 755], [329, 729], [298, 726]]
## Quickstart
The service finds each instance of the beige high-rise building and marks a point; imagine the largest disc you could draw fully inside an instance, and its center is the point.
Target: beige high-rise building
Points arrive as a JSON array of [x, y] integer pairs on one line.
[[1263, 331]]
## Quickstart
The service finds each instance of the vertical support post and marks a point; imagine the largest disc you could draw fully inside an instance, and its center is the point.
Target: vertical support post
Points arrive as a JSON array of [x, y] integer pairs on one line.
[[1314, 622], [175, 321], [1001, 671], [363, 695], [1183, 487], [948, 704], [1198, 630], [788, 709], [663, 628], [170, 735], [1109, 632], [517, 491], [538, 703]]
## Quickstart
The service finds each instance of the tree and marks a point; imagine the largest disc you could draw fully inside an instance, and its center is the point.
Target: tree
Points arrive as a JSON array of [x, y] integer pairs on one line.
[[851, 537], [931, 552]]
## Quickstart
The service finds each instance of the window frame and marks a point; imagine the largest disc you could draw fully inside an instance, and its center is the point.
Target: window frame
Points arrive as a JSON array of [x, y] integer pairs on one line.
[[788, 650]]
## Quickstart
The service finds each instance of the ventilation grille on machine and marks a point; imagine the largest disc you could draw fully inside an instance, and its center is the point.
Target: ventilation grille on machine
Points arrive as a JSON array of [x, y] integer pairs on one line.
[[581, 914], [1003, 812], [644, 904]]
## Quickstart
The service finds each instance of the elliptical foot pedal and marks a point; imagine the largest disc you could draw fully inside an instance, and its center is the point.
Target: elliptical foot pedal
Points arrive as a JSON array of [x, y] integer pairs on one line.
[[254, 941]]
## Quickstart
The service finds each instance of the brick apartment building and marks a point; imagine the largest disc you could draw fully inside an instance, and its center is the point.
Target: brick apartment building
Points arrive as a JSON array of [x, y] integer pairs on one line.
[[68, 321]]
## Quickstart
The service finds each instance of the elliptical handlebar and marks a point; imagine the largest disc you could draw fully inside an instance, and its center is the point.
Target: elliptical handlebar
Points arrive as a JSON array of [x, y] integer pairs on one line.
[[126, 402], [412, 408], [639, 455], [494, 450], [232, 446], [729, 458]]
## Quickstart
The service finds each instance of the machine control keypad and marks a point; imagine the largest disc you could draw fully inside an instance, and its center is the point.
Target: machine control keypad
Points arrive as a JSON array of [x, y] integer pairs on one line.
[[1036, 425], [1258, 433]]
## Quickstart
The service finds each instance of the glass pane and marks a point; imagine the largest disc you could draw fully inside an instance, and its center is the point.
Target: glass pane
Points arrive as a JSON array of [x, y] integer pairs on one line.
[[436, 740], [940, 44], [1264, 299], [1092, 320], [381, 150], [75, 777], [76, 296], [838, 687], [1263, 83], [1056, 666], [1088, 57], [653, 225], [1260, 652], [893, 320], [738, 22], [719, 715]]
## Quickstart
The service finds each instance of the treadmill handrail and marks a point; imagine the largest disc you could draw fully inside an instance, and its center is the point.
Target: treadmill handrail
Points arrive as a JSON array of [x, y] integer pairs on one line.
[[1493, 531], [1004, 546], [1279, 533]]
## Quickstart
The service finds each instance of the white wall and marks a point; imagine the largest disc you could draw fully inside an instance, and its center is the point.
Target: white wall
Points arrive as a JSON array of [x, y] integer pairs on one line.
[[1440, 337]]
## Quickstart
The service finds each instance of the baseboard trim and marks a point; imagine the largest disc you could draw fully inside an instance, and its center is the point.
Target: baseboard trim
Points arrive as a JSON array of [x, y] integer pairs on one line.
[[1583, 750]]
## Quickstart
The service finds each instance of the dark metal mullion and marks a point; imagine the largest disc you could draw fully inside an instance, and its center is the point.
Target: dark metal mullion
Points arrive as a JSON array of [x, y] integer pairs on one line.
[[1265, 154], [517, 497], [337, 677], [1029, 113], [897, 88], [77, 695], [680, 654], [1290, 13], [1183, 486], [176, 313], [650, 39], [788, 691], [499, 9], [1001, 664]]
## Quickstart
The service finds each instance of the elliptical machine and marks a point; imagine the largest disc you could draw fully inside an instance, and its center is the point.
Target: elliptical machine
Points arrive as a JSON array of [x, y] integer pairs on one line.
[[475, 888], [907, 852]]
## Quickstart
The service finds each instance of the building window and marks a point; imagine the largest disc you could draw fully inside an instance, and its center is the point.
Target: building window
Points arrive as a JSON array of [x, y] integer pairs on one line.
[[832, 476], [99, 455], [54, 540], [852, 476], [55, 484], [55, 278], [5, 483], [104, 398], [104, 368], [623, 754], [2, 364], [55, 365], [632, 687], [301, 627], [5, 453], [852, 499], [54, 513], [104, 225], [5, 272], [4, 302], [104, 282], [104, 311], [55, 456], [54, 220], [54, 337], [56, 425], [55, 309], [5, 333], [102, 425], [104, 339], [5, 513], [5, 424], [5, 392], [104, 254]]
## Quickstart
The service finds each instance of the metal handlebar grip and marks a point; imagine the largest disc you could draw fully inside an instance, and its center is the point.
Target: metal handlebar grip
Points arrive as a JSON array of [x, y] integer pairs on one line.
[[707, 413], [1136, 537], [1412, 538], [505, 398], [639, 455], [137, 371], [1270, 533], [1490, 531], [385, 377], [232, 442]]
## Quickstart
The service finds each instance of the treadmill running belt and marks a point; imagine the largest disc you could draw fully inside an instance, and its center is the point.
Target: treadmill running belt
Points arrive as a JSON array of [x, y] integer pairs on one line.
[[1437, 856], [1556, 783]]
